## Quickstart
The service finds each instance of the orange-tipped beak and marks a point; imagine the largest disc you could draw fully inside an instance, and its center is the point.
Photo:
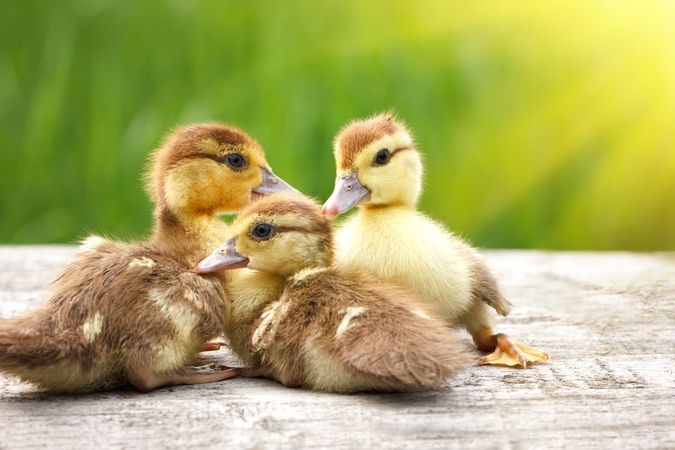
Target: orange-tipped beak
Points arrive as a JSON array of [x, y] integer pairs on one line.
[[225, 258], [348, 193]]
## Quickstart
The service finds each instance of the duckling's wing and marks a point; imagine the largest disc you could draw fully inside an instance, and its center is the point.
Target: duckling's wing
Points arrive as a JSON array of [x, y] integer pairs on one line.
[[265, 328], [485, 289], [484, 286]]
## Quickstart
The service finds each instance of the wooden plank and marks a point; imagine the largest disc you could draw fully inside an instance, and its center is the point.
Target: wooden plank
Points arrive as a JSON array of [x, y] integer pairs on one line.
[[606, 318]]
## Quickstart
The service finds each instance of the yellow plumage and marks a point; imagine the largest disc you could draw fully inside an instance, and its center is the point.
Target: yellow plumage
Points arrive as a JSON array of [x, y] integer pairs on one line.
[[379, 169]]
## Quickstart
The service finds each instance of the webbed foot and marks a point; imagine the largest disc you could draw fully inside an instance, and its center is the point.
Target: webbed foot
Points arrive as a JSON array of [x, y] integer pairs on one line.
[[509, 352], [212, 346]]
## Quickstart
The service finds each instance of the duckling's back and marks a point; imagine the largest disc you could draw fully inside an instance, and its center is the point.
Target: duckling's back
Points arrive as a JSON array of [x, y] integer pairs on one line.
[[355, 333]]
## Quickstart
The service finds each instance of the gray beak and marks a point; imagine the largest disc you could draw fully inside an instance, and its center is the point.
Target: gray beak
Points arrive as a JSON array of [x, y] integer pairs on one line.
[[348, 192], [225, 258], [272, 183]]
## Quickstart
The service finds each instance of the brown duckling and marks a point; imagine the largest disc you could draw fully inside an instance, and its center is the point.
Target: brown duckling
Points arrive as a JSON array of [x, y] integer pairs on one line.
[[136, 312], [317, 327]]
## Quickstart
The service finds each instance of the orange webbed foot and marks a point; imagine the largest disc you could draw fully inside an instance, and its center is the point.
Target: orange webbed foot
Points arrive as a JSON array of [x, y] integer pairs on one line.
[[204, 374], [212, 346], [510, 352]]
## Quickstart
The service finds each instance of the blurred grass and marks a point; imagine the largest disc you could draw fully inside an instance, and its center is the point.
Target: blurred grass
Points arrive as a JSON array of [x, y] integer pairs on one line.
[[544, 124]]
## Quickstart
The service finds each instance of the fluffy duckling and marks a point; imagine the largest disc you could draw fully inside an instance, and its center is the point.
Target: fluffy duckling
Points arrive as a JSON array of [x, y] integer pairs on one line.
[[317, 327], [137, 312], [379, 169]]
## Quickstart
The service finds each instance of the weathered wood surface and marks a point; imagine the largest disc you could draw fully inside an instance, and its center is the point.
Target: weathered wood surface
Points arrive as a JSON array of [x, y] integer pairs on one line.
[[608, 321]]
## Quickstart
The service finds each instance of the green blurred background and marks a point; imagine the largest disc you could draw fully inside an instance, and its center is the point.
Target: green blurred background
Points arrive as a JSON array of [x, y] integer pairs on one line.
[[543, 124]]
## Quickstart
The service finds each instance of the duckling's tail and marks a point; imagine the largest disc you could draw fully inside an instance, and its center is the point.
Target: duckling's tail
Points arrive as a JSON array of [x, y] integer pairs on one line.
[[15, 341], [26, 344], [55, 359]]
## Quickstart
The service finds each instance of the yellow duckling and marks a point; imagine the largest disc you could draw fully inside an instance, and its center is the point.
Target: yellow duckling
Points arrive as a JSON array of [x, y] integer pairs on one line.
[[379, 169], [136, 312], [324, 329]]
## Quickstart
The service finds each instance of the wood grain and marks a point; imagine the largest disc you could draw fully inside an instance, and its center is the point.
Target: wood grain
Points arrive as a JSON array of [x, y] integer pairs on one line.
[[607, 319]]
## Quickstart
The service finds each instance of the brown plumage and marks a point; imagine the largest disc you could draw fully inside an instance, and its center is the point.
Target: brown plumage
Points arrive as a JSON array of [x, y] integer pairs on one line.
[[318, 327], [137, 312], [359, 134]]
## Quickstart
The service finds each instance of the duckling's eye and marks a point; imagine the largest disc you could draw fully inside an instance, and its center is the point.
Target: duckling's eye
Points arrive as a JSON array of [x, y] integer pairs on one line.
[[262, 231], [382, 157], [235, 160]]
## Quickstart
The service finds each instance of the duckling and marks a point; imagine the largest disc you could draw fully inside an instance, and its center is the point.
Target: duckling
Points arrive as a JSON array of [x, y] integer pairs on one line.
[[136, 312], [380, 170], [321, 328]]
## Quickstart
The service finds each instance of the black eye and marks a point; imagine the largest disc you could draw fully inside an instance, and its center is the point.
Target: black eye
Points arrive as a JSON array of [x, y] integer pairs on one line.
[[235, 160], [382, 157], [261, 231]]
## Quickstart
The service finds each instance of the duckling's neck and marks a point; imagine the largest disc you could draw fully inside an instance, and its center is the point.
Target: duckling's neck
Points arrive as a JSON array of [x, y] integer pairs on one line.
[[252, 290], [185, 237], [389, 207], [249, 292]]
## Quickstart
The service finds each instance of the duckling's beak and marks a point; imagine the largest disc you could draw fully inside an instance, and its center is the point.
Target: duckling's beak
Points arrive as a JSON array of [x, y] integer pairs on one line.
[[348, 193], [225, 258], [272, 183]]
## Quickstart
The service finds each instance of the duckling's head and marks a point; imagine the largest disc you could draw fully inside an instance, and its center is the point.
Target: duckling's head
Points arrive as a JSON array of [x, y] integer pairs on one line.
[[280, 234], [377, 165], [210, 168]]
